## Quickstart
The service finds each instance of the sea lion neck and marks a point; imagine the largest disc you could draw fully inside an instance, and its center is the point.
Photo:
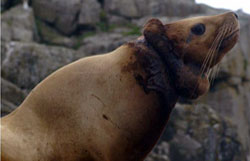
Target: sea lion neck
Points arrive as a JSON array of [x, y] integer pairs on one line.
[[142, 42], [153, 74]]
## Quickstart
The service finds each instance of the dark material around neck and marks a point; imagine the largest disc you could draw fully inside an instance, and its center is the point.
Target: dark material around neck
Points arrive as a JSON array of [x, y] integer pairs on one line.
[[156, 76]]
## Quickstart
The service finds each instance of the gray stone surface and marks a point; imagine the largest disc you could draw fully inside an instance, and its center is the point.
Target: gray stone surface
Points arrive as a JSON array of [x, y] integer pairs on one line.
[[160, 152], [28, 63], [11, 92], [234, 105], [6, 4], [18, 25], [3, 51], [67, 15], [89, 12], [103, 43], [7, 107], [50, 35], [205, 136], [61, 14], [127, 8], [141, 8]]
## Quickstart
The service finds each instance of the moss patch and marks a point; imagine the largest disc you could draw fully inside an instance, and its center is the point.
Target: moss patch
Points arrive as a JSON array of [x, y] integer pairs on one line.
[[104, 25], [80, 38], [134, 30]]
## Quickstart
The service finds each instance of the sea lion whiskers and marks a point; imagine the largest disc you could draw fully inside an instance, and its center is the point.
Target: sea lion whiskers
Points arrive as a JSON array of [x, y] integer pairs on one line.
[[212, 71], [206, 60], [210, 52], [215, 70], [223, 32], [210, 56], [218, 42]]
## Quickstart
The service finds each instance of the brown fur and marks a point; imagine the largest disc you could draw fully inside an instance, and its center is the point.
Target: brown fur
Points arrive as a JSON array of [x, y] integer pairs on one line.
[[184, 53], [109, 107]]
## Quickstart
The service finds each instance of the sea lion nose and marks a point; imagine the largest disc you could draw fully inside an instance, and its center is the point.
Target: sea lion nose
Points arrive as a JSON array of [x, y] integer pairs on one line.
[[237, 17]]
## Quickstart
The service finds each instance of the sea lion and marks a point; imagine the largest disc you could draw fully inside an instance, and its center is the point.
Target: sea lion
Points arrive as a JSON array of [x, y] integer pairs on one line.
[[113, 107]]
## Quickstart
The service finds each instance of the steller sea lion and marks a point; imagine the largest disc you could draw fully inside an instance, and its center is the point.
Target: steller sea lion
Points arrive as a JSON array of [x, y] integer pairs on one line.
[[113, 107]]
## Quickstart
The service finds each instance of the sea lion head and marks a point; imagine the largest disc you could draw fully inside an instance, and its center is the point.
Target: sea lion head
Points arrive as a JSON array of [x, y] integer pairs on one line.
[[206, 38], [190, 48], [201, 41]]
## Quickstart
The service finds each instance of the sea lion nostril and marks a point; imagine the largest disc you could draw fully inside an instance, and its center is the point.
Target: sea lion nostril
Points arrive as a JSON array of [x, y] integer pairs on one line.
[[237, 17]]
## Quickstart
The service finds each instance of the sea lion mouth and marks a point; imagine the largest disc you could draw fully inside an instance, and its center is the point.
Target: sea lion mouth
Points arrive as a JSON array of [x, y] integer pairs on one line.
[[230, 39], [226, 44], [223, 47]]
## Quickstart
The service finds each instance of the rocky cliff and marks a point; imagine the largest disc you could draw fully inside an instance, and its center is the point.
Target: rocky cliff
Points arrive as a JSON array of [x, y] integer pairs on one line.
[[51, 33]]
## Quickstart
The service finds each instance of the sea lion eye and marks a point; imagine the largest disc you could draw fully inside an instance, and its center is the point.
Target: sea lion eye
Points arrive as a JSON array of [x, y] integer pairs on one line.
[[198, 29]]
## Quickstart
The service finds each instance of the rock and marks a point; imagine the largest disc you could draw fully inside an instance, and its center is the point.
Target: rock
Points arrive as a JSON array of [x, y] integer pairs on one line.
[[12, 93], [141, 8], [3, 51], [18, 25], [12, 96], [6, 107], [208, 137], [66, 15], [234, 81], [89, 14], [6, 4], [118, 20], [244, 42], [164, 19], [233, 103], [126, 8], [244, 90], [183, 146], [103, 43], [62, 14], [159, 153], [50, 35], [174, 8], [28, 63], [232, 64]]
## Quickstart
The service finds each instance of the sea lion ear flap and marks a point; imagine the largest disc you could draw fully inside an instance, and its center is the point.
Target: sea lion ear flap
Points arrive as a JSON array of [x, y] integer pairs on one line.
[[153, 28], [155, 34]]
